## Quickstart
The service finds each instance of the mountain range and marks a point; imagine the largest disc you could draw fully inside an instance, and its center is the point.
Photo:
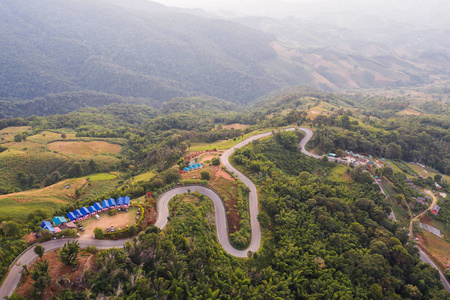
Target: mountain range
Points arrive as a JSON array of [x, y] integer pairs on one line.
[[143, 52]]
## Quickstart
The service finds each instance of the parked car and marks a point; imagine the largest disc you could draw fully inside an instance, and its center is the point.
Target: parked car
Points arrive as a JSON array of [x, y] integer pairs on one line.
[[97, 217], [107, 229], [112, 228], [82, 229]]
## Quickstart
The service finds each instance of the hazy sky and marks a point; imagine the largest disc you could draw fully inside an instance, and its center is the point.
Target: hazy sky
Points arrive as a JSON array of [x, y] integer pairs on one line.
[[422, 12], [247, 7]]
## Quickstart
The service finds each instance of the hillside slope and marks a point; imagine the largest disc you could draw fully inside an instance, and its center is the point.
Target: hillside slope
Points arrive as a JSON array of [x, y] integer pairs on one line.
[[154, 52]]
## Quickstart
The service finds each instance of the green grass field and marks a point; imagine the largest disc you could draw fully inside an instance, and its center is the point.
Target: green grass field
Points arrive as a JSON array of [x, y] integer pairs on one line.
[[141, 177], [7, 134], [337, 172], [405, 168], [426, 171], [396, 168], [100, 176], [11, 209], [19, 205]]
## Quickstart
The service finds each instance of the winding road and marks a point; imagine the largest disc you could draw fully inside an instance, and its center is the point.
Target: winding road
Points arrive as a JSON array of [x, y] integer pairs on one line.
[[28, 257]]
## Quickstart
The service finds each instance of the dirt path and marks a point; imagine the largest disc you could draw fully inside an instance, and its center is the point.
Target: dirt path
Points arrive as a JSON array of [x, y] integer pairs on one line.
[[433, 203]]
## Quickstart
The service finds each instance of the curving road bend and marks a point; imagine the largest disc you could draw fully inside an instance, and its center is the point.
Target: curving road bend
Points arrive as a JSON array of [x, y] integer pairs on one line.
[[219, 214], [28, 257]]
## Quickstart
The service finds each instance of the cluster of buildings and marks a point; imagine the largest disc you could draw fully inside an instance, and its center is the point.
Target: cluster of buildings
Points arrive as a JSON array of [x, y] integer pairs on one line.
[[422, 200], [412, 185], [59, 223], [193, 165], [359, 159], [84, 213]]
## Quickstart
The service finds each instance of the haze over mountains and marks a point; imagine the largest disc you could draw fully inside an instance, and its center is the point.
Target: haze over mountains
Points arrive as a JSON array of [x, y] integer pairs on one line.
[[57, 56]]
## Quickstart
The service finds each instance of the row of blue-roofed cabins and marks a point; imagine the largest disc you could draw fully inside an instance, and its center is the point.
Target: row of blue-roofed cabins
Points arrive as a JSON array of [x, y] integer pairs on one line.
[[84, 213], [192, 167]]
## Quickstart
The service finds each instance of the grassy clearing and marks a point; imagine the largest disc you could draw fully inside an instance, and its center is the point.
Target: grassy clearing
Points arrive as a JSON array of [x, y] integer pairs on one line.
[[223, 145], [7, 134], [46, 137], [19, 205], [100, 176], [85, 148], [337, 172], [141, 177], [98, 188], [444, 228], [396, 168], [409, 111], [427, 171], [405, 168], [321, 109], [437, 246]]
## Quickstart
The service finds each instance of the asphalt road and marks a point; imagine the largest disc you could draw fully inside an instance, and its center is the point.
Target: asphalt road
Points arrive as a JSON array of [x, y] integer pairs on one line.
[[29, 256]]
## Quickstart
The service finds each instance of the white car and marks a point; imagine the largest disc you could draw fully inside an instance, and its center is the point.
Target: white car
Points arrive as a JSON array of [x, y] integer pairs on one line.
[[97, 217]]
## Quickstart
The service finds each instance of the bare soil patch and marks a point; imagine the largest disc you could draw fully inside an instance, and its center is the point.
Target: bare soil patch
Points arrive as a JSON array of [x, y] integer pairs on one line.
[[120, 221], [409, 111], [235, 126], [85, 148]]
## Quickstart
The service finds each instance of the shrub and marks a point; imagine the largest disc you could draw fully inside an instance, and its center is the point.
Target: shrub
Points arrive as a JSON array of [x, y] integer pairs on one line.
[[98, 232], [205, 175], [215, 161], [66, 233]]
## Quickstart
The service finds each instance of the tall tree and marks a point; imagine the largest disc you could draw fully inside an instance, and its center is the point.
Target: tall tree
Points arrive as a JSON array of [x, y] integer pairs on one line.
[[39, 250], [41, 277], [69, 253]]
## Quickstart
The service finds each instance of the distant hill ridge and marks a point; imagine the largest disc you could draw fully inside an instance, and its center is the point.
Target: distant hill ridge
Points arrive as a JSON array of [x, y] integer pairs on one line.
[[60, 56], [155, 52]]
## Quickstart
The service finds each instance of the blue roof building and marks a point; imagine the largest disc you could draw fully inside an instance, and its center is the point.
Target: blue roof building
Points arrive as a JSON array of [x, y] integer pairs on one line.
[[78, 213], [119, 201], [185, 169], [92, 209], [71, 216], [98, 206], [199, 165], [126, 200], [112, 202], [85, 211], [47, 225], [59, 220], [105, 204]]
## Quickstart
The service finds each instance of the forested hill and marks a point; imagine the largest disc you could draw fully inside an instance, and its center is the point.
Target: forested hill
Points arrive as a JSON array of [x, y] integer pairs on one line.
[[142, 50]]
